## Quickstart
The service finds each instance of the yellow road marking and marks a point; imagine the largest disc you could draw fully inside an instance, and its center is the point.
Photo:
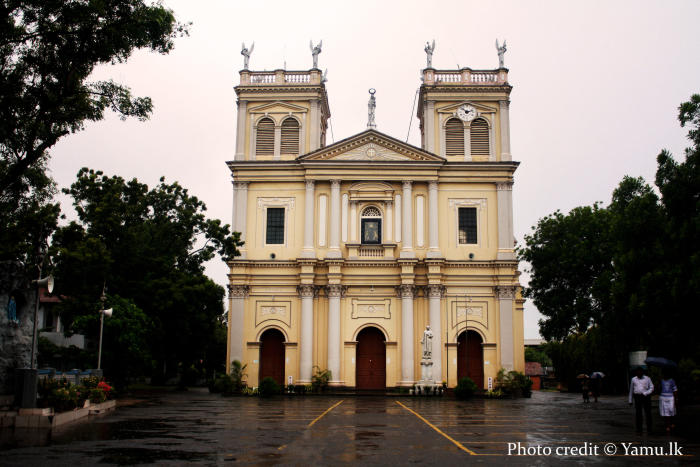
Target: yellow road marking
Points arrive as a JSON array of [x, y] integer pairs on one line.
[[456, 443], [324, 413]]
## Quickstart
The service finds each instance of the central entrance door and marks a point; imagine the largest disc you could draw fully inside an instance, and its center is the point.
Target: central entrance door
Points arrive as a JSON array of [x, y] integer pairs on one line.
[[470, 358], [371, 359], [272, 356]]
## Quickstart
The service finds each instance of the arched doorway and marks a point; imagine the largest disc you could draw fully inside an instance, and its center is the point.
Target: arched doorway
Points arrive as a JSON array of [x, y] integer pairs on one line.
[[371, 359], [272, 356], [470, 358]]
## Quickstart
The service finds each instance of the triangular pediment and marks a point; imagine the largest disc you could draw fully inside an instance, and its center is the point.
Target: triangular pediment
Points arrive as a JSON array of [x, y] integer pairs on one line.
[[481, 108], [277, 107], [371, 146]]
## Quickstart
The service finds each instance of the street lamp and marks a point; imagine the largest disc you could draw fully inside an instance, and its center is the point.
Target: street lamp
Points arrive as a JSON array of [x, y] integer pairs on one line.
[[103, 312]]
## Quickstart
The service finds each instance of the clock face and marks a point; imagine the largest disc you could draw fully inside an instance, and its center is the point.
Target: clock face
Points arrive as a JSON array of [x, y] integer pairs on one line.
[[466, 113]]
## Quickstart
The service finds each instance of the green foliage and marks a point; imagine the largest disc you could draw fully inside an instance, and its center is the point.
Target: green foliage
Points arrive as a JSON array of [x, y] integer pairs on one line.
[[537, 354], [465, 388], [268, 387], [513, 383], [320, 379], [625, 277], [49, 49], [222, 384], [238, 376], [149, 245]]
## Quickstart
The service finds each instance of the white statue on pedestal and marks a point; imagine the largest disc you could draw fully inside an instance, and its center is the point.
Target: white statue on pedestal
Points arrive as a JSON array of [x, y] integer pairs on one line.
[[427, 343], [501, 52], [246, 54]]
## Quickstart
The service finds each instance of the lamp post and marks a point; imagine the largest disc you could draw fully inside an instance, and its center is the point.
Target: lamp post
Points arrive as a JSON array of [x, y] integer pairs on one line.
[[103, 312]]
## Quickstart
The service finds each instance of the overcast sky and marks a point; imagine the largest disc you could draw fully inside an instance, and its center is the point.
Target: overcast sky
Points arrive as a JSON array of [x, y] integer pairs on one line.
[[596, 87]]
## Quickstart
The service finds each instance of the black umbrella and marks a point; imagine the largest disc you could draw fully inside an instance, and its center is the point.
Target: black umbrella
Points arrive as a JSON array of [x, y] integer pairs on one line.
[[660, 361]]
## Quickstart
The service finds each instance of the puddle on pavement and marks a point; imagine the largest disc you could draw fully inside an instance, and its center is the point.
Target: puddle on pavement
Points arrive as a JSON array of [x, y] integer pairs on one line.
[[133, 456]]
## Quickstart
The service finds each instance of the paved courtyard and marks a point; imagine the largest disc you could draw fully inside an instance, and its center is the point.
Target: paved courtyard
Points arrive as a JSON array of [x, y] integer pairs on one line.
[[198, 428]]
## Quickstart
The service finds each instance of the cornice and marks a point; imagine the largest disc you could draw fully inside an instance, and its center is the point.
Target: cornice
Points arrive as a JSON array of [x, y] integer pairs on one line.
[[390, 263]]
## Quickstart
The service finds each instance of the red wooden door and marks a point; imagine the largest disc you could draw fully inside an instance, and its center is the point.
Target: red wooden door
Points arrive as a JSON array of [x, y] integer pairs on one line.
[[371, 359], [272, 356], [470, 358]]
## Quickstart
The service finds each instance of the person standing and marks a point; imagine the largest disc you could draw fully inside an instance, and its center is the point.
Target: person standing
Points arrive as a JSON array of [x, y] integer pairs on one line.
[[667, 400], [641, 388]]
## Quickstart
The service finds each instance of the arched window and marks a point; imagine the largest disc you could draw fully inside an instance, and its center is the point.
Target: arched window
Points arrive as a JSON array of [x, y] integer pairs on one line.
[[290, 137], [371, 225], [265, 138], [480, 138], [454, 137]]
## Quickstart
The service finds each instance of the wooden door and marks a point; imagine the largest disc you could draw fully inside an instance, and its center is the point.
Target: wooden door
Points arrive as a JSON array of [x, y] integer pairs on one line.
[[470, 358], [272, 356], [371, 359]]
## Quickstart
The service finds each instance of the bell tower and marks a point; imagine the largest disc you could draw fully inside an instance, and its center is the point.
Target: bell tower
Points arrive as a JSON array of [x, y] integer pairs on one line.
[[464, 114], [281, 114]]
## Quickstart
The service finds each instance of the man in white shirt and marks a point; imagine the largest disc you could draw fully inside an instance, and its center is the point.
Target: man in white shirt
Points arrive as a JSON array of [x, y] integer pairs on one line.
[[641, 388]]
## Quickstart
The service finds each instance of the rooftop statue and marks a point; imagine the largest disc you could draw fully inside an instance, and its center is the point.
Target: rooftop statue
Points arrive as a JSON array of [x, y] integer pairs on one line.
[[315, 50], [371, 106], [501, 53], [246, 54], [429, 49]]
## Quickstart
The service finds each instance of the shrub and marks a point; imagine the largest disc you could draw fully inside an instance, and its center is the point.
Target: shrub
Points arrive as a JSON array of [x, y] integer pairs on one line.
[[514, 383], [320, 379], [97, 395], [268, 387], [223, 384], [238, 375], [465, 388]]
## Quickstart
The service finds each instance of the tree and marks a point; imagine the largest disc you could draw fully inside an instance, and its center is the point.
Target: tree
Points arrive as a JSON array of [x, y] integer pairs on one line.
[[149, 246], [569, 257], [48, 49], [625, 277]]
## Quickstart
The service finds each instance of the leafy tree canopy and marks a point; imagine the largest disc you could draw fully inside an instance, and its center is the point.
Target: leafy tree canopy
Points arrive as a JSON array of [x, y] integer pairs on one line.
[[149, 246], [624, 277], [48, 49]]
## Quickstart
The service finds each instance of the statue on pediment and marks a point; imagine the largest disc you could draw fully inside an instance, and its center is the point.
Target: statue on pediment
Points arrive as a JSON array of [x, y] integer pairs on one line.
[[315, 50], [429, 49], [501, 53]]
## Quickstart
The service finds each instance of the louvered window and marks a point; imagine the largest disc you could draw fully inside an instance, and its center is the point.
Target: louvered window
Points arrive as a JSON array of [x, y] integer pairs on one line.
[[467, 225], [265, 138], [290, 137], [275, 226], [480, 137], [454, 137]]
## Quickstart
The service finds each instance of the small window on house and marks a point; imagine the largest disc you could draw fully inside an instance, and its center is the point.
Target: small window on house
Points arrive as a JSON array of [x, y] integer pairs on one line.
[[371, 225], [265, 138], [467, 226], [454, 137], [479, 132], [290, 137], [274, 234]]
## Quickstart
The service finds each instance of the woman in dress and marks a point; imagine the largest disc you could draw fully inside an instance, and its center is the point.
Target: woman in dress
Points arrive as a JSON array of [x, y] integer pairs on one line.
[[667, 400]]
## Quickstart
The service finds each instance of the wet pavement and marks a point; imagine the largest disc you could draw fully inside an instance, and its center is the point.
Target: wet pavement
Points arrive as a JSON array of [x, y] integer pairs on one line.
[[198, 428]]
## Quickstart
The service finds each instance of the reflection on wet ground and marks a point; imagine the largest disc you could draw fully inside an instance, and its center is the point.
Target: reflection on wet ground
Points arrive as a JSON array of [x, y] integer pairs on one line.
[[199, 428]]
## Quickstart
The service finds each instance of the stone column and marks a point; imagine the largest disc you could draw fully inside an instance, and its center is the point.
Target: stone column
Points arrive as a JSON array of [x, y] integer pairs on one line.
[[407, 221], [506, 295], [309, 201], [334, 246], [307, 293], [315, 122], [353, 221], [435, 293], [240, 130], [406, 292], [433, 220], [388, 233], [237, 295], [429, 128], [504, 191], [505, 130], [334, 292], [241, 212]]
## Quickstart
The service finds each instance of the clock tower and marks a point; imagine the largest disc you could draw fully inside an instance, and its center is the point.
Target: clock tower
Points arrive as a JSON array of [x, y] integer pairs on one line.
[[464, 114]]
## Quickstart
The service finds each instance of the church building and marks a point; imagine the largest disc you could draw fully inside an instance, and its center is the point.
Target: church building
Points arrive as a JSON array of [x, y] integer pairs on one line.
[[353, 248]]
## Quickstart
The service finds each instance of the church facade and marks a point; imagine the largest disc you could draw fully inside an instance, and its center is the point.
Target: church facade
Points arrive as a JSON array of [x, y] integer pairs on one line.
[[353, 248]]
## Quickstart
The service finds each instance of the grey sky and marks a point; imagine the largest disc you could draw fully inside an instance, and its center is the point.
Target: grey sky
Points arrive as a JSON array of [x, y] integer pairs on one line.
[[596, 89]]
